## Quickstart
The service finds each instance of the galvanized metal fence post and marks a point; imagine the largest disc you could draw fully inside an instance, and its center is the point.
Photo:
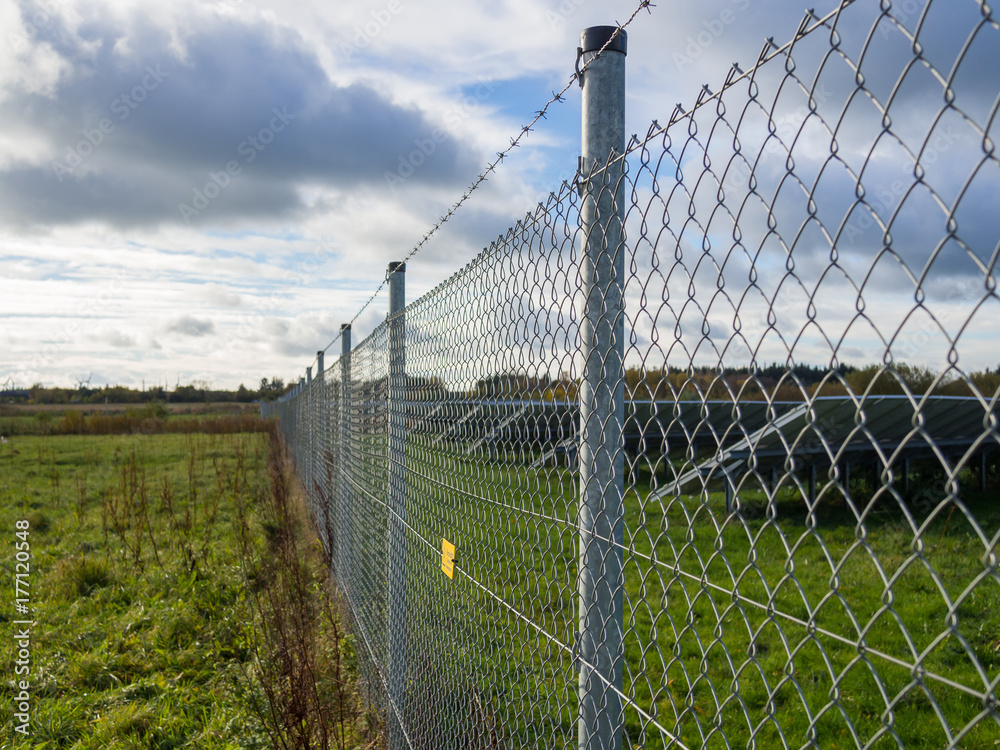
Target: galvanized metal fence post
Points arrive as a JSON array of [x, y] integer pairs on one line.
[[322, 440], [310, 414], [396, 605], [602, 403], [300, 423], [343, 560]]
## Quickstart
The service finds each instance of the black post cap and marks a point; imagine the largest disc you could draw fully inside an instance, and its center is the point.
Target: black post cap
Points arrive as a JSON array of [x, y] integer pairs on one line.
[[594, 38]]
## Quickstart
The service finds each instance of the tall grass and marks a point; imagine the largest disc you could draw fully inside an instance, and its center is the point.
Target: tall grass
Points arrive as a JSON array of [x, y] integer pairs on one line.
[[151, 419], [302, 659], [167, 612]]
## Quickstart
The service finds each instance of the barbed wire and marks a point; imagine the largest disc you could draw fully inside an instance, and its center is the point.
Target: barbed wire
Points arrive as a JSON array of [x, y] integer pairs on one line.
[[809, 24], [515, 141]]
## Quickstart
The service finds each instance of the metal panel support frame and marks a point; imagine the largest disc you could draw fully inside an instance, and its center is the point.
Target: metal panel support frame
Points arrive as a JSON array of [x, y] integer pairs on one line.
[[600, 580]]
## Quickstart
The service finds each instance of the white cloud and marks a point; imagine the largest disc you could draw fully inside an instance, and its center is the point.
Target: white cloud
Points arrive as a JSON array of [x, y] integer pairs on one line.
[[218, 295]]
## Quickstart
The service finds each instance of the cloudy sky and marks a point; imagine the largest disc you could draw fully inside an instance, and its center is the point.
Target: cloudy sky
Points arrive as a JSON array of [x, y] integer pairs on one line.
[[205, 190]]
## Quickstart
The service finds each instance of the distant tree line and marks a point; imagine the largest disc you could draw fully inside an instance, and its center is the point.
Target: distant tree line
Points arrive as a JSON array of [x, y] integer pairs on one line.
[[772, 382], [196, 392]]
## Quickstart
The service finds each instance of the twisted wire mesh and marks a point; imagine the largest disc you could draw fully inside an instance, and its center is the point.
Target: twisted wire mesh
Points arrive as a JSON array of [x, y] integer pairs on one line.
[[809, 437]]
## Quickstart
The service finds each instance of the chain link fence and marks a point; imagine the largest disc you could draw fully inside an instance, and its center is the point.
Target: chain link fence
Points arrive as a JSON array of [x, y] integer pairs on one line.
[[703, 452]]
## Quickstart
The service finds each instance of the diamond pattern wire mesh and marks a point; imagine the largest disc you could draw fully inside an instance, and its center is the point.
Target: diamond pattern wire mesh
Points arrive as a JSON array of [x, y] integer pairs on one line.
[[810, 426]]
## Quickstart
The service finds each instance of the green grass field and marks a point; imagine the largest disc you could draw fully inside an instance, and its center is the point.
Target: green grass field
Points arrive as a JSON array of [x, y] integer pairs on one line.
[[151, 572], [739, 631], [136, 637]]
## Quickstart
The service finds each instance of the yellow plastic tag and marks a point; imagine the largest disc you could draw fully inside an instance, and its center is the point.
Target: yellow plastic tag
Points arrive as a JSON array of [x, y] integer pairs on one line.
[[448, 558]]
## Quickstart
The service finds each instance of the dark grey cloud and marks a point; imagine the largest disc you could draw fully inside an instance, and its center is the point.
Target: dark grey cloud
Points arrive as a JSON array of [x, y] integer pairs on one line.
[[119, 340], [245, 118], [187, 325]]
